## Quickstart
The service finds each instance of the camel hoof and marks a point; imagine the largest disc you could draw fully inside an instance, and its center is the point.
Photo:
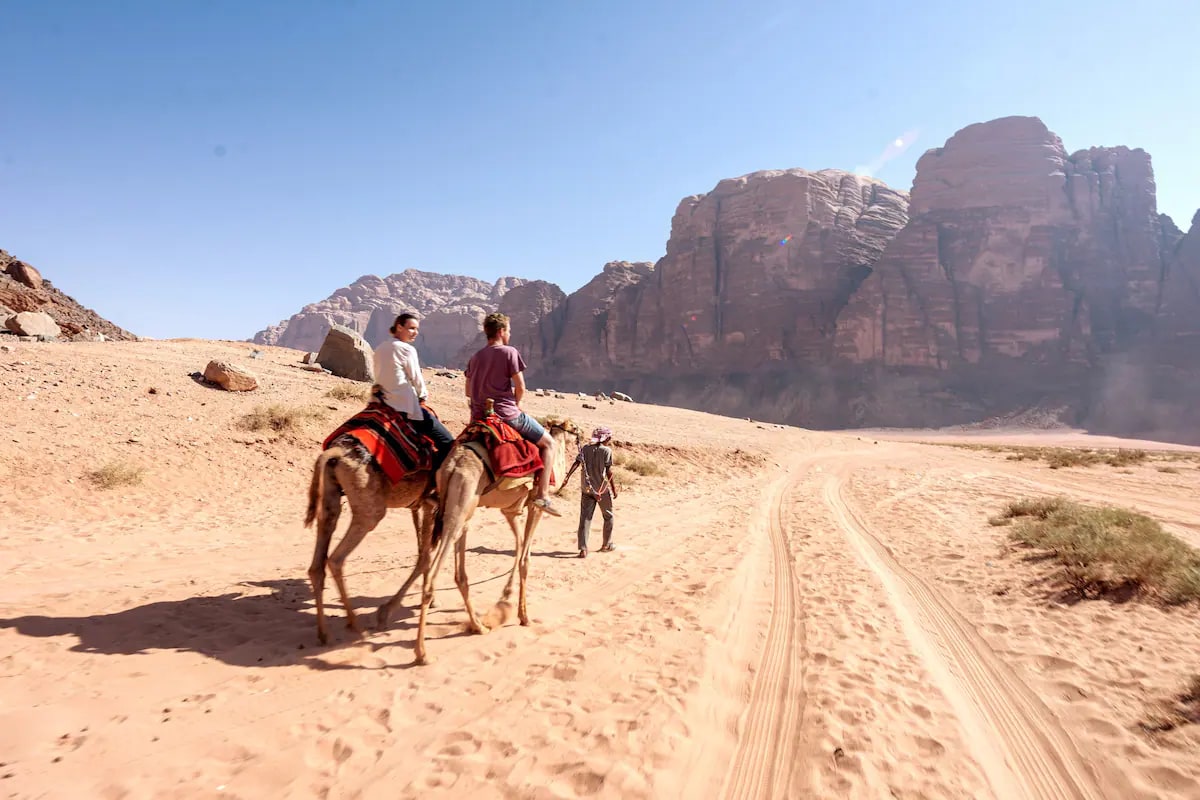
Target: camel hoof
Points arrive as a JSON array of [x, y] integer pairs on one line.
[[421, 661], [382, 619], [322, 637], [480, 629]]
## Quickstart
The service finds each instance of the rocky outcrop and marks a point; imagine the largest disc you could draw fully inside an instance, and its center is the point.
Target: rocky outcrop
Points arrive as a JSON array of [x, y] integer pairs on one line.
[[1015, 275], [755, 274], [23, 289], [451, 308], [347, 355], [527, 306]]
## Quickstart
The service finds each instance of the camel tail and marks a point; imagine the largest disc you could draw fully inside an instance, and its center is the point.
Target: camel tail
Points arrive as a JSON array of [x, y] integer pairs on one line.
[[316, 489]]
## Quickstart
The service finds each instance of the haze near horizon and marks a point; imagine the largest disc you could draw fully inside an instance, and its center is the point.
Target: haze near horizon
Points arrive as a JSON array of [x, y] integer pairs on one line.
[[206, 169]]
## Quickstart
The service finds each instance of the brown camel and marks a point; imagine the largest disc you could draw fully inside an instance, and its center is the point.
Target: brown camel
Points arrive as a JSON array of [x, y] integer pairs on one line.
[[347, 467], [463, 485]]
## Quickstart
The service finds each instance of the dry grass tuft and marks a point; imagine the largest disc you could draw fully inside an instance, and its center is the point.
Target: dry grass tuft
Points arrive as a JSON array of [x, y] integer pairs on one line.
[[1107, 550], [349, 391], [638, 464], [277, 418], [116, 473], [1183, 709]]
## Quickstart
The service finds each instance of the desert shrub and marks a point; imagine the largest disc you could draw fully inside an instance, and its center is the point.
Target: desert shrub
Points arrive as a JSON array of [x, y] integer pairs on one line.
[[349, 391], [1183, 709], [639, 464], [116, 473], [278, 418], [1102, 550]]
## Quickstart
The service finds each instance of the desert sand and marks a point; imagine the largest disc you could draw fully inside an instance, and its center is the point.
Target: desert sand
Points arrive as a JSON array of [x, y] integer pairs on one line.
[[789, 613]]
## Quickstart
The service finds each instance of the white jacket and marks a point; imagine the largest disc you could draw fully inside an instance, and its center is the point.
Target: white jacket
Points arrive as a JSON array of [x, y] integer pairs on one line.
[[398, 371]]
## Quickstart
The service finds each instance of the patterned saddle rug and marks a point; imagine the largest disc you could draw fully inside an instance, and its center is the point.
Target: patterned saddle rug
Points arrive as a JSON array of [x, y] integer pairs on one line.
[[510, 455], [390, 439]]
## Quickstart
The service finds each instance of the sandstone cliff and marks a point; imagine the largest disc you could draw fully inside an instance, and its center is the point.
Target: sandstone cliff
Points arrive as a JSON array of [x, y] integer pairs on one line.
[[451, 308], [1015, 274], [756, 273], [22, 288]]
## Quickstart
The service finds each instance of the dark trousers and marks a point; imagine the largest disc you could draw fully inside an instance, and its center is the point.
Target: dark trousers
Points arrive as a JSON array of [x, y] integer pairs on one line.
[[587, 507], [432, 427]]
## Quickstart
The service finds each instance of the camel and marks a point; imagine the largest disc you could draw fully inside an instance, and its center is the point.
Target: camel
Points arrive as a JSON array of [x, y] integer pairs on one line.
[[347, 467], [464, 484]]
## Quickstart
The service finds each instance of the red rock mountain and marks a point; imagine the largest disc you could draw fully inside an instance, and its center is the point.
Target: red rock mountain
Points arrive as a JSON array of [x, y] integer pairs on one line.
[[22, 288], [1014, 275], [451, 309]]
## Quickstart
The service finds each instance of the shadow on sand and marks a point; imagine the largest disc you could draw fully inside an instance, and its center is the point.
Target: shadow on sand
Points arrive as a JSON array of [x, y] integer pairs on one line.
[[242, 630]]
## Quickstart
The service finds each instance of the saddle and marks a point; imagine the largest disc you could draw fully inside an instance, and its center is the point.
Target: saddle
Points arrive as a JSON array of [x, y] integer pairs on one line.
[[390, 439], [505, 452]]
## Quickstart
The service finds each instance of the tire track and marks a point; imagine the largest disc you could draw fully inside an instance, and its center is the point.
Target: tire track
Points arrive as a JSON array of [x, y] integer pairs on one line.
[[769, 744], [1017, 741]]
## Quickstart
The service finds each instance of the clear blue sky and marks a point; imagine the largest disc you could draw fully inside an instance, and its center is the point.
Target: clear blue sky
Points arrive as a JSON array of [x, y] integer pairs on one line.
[[206, 168]]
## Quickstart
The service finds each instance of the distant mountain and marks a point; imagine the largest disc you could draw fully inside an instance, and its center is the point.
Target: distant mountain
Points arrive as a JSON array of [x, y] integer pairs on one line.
[[451, 307]]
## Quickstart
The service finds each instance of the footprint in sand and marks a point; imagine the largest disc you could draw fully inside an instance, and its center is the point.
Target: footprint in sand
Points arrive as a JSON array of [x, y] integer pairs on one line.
[[461, 743], [930, 748]]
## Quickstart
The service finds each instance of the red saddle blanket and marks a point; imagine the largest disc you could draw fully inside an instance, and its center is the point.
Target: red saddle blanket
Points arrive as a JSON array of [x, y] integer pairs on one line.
[[390, 439], [511, 454]]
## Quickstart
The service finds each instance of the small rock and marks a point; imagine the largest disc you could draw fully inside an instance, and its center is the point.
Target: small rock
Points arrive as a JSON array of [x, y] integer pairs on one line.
[[586, 405]]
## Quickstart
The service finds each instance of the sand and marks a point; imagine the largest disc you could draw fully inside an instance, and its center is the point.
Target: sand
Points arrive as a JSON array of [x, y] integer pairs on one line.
[[789, 613]]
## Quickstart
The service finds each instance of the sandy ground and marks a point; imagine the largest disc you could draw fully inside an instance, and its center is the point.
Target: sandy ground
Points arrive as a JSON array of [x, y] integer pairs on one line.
[[789, 614]]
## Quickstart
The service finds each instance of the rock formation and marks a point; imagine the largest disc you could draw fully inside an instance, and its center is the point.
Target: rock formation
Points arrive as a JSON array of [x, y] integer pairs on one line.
[[451, 308], [1014, 275], [526, 306], [756, 273], [23, 289]]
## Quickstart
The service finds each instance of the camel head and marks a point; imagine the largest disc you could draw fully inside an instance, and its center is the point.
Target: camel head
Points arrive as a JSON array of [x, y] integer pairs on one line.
[[561, 428]]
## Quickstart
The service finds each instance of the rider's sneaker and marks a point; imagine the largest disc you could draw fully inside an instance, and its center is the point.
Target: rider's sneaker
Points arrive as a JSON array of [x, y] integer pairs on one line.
[[545, 505]]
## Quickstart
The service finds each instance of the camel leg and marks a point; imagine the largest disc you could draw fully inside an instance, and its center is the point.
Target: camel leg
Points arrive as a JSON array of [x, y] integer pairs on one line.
[[464, 586], [512, 520], [535, 516], [427, 595], [327, 520], [362, 522], [424, 526], [459, 505]]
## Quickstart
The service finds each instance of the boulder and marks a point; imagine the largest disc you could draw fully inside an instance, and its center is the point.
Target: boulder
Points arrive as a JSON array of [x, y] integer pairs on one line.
[[347, 355], [24, 273], [33, 323], [230, 377]]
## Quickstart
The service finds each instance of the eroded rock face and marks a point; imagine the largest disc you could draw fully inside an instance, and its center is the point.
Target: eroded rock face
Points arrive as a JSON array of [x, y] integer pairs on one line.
[[22, 288], [526, 305], [451, 308], [1015, 275], [755, 274]]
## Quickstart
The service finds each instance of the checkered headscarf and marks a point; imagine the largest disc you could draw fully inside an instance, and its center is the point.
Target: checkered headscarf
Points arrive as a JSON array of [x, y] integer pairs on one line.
[[601, 435]]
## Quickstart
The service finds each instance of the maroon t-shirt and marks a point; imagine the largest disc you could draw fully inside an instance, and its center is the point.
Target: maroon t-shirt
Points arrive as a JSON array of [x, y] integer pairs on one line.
[[489, 374]]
